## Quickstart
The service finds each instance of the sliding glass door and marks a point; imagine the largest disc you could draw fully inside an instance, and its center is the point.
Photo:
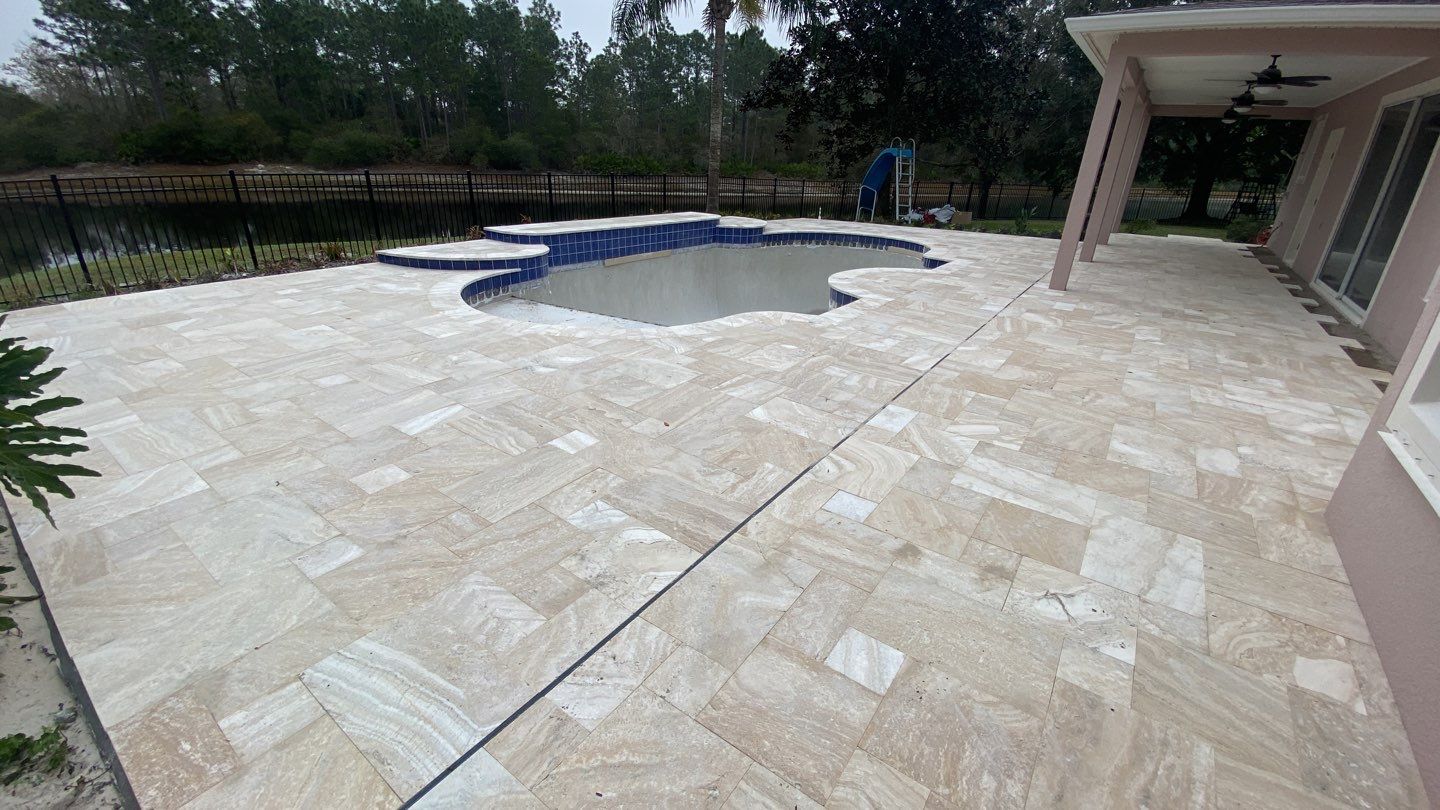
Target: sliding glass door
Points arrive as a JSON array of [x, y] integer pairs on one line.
[[1380, 200]]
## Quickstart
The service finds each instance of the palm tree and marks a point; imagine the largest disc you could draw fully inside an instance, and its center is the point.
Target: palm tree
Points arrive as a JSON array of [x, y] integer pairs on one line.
[[632, 16]]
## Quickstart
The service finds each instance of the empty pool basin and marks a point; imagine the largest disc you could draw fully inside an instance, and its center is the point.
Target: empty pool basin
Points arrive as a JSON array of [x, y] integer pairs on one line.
[[703, 284]]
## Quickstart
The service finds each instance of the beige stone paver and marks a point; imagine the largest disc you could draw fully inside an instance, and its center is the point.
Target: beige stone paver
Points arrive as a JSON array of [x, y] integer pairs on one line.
[[1079, 562]]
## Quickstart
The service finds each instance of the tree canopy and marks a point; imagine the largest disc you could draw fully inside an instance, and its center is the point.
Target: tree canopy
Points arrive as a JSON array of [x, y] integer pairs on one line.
[[351, 82], [994, 90]]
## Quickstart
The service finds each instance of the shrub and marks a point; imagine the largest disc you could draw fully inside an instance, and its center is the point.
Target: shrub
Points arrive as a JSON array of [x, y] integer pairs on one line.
[[807, 171], [48, 137], [610, 163], [241, 136], [1140, 226], [515, 153], [298, 143], [351, 148], [1243, 229], [735, 167], [188, 137], [467, 144], [1022, 220]]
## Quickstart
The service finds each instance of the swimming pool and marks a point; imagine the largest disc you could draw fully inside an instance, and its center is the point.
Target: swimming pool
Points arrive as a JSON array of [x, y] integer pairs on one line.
[[661, 270], [707, 283]]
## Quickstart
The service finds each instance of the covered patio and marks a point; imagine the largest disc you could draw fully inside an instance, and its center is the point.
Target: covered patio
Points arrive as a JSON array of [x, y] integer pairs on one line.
[[968, 541], [1356, 224]]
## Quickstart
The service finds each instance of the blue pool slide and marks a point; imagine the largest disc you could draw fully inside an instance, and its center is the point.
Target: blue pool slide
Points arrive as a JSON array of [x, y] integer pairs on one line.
[[876, 176]]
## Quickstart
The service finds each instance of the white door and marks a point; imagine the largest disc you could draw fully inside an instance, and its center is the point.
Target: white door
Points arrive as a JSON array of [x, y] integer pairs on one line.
[[1312, 194]]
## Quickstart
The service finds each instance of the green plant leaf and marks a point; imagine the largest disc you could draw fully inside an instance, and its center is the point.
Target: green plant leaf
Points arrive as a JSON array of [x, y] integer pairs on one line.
[[26, 443]]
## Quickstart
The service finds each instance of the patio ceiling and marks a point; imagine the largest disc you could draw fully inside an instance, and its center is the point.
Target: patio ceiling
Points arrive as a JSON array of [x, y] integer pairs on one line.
[[1202, 79], [1185, 53]]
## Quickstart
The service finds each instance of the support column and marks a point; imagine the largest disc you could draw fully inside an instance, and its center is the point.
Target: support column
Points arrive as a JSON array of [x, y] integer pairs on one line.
[[1135, 130], [1141, 133], [1089, 172], [1115, 160]]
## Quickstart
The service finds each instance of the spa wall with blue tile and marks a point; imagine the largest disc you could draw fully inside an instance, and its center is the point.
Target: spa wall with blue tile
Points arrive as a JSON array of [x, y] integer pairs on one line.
[[532, 263], [840, 299], [491, 286], [840, 239], [585, 247], [733, 236]]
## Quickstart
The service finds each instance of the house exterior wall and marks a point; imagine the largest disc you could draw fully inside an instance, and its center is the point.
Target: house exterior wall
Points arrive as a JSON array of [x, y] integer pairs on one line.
[[1398, 303], [1389, 539], [1387, 533]]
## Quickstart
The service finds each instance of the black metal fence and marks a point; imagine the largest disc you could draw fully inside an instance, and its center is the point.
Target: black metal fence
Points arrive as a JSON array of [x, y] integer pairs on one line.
[[60, 238]]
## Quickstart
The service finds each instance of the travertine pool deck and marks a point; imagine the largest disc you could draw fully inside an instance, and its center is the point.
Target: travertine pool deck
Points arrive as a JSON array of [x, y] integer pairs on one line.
[[350, 527]]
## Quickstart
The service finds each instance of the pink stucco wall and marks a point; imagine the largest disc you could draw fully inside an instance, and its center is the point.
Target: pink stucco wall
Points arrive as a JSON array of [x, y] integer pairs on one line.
[[1397, 304], [1389, 539], [1387, 533]]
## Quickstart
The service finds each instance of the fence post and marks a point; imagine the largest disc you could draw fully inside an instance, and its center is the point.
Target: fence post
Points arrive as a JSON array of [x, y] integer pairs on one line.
[[840, 206], [374, 214], [1050, 209], [550, 195], [244, 221], [774, 194], [70, 226], [969, 187], [1026, 204], [802, 196], [742, 195], [470, 195], [1139, 206], [665, 192], [950, 194], [614, 211]]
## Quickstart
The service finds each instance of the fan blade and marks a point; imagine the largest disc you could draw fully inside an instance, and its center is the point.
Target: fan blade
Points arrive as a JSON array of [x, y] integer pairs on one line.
[[1294, 79]]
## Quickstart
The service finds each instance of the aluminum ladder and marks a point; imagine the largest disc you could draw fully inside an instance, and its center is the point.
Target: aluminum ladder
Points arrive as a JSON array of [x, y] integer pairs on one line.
[[904, 176]]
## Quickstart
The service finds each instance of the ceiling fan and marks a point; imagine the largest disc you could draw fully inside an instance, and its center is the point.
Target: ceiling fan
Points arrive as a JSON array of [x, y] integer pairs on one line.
[[1232, 116], [1271, 79], [1246, 101]]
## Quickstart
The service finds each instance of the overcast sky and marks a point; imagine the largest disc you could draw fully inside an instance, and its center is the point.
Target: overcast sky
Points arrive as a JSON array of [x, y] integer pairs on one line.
[[590, 17]]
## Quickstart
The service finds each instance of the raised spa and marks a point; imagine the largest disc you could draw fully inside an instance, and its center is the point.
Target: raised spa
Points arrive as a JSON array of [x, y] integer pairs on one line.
[[703, 284]]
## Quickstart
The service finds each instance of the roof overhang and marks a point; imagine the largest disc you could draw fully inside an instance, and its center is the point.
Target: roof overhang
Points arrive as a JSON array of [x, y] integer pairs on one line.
[[1098, 33], [1202, 55]]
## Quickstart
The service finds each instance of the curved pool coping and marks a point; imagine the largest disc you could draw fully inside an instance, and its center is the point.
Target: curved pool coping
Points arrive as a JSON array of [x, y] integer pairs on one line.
[[502, 264]]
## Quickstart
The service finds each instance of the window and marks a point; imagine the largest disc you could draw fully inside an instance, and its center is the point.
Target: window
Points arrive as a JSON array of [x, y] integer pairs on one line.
[[1414, 424]]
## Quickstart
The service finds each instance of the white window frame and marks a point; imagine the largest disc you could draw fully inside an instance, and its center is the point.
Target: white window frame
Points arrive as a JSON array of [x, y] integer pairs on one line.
[[1335, 298], [1413, 429]]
